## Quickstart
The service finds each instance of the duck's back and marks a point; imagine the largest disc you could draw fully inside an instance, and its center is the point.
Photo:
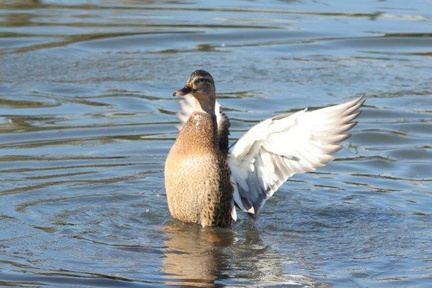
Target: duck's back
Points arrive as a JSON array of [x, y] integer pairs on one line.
[[197, 177]]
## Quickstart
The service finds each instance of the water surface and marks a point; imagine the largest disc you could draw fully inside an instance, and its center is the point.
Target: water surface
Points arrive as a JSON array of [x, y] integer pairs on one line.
[[86, 121]]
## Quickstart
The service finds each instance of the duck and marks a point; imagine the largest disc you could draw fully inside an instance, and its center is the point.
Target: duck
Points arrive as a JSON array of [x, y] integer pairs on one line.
[[206, 180]]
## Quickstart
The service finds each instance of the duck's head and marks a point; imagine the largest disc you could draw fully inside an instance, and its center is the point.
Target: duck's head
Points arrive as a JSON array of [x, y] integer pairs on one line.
[[201, 86]]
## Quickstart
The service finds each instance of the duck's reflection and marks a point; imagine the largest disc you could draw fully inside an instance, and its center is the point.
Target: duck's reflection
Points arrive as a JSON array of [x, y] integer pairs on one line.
[[208, 257], [194, 255]]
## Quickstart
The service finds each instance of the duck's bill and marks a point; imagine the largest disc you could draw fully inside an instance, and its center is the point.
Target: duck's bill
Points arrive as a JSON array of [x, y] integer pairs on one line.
[[184, 91]]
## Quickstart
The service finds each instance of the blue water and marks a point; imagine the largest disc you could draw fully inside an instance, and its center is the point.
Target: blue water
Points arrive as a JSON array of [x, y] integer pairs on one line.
[[87, 118]]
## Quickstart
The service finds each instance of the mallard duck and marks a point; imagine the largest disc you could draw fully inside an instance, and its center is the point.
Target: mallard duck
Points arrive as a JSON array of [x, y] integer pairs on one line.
[[206, 180]]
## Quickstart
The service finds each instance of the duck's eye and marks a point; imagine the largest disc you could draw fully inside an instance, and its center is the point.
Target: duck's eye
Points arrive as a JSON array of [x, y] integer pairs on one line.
[[201, 80]]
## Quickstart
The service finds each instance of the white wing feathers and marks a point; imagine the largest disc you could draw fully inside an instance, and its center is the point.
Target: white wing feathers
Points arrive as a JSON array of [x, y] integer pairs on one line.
[[277, 148], [187, 107]]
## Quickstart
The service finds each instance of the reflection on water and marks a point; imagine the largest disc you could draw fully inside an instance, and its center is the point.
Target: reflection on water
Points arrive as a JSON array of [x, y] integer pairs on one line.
[[86, 120], [194, 255], [204, 258]]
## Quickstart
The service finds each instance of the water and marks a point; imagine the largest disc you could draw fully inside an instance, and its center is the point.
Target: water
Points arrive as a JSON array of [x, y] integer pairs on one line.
[[86, 120]]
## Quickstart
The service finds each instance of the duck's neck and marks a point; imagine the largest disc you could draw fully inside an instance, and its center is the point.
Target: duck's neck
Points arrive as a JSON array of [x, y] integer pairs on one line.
[[206, 105]]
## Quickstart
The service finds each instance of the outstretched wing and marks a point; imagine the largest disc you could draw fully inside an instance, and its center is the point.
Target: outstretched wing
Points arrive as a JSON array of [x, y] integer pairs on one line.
[[277, 148], [187, 107]]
